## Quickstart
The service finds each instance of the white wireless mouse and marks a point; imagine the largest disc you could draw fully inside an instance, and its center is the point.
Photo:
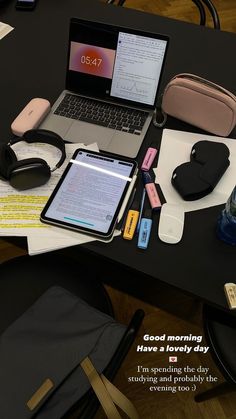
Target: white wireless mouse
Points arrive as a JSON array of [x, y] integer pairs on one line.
[[171, 224]]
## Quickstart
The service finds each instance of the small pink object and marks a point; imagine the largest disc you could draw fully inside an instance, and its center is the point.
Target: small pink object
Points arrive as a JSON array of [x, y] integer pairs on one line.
[[149, 158], [31, 116], [151, 191], [153, 196], [201, 103]]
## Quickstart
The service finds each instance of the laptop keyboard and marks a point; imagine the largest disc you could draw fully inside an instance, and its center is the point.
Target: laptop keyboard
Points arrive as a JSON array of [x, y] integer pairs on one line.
[[103, 114]]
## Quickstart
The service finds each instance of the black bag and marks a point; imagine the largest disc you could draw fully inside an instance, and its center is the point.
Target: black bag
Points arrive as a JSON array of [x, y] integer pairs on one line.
[[197, 178], [51, 355]]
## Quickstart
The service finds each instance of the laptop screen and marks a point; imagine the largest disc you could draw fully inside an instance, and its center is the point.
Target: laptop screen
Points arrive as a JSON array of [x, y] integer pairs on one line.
[[115, 63]]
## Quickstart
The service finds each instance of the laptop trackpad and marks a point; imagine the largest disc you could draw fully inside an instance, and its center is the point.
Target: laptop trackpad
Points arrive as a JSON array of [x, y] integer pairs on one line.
[[89, 133]]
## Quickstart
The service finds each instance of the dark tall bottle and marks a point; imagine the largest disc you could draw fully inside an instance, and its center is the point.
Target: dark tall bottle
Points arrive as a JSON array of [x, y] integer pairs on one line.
[[226, 225]]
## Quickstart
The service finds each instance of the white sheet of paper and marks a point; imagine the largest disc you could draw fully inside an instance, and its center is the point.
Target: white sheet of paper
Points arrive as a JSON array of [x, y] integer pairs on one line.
[[175, 150], [5, 29], [38, 245]]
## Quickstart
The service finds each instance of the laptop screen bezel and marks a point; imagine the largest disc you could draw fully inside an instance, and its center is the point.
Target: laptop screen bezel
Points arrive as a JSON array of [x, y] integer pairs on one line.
[[108, 98]]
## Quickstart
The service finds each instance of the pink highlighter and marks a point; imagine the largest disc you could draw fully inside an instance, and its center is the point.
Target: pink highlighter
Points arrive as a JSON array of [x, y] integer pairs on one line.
[[149, 158], [151, 191]]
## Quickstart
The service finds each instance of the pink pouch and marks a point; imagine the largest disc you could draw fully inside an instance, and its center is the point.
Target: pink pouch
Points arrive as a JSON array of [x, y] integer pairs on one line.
[[201, 103]]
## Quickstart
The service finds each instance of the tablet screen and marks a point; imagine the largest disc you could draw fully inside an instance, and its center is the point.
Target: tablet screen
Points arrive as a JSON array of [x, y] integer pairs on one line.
[[90, 193]]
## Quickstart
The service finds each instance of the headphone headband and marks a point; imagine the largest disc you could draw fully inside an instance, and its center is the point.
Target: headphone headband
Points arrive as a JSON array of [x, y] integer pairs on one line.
[[46, 137]]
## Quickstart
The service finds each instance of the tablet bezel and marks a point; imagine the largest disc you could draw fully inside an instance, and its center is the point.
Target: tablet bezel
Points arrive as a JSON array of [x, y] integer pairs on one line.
[[86, 230]]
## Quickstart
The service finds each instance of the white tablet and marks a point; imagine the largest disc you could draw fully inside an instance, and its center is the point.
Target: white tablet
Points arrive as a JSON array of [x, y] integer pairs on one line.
[[90, 193]]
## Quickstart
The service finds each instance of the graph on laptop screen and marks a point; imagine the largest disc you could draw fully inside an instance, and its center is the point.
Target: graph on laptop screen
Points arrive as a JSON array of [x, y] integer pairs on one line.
[[115, 63]]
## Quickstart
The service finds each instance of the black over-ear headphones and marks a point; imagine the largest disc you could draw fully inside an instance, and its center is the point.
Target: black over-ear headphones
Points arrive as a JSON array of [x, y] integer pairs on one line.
[[32, 172]]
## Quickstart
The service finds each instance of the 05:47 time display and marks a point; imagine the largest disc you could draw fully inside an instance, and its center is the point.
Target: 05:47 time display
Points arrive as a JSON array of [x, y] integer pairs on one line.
[[86, 59]]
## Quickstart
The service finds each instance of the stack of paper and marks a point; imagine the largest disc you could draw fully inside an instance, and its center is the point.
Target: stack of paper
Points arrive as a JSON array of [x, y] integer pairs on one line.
[[20, 211]]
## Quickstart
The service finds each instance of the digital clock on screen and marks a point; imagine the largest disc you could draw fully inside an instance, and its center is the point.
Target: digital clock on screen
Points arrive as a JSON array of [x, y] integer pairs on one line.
[[86, 59]]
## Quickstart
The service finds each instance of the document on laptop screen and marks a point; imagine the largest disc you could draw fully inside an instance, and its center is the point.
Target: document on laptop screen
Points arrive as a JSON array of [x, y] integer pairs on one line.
[[137, 67]]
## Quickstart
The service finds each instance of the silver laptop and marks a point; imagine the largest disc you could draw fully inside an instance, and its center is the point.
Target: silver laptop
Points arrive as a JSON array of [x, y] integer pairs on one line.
[[112, 79]]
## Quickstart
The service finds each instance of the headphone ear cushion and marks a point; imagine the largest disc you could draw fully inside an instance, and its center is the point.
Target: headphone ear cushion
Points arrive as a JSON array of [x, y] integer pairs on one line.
[[7, 158], [28, 173]]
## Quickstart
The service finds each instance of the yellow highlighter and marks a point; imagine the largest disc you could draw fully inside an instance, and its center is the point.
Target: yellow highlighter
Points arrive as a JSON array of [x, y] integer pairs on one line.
[[131, 221]]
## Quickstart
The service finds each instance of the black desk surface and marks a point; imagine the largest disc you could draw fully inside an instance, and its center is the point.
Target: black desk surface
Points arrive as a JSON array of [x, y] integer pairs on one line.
[[33, 62]]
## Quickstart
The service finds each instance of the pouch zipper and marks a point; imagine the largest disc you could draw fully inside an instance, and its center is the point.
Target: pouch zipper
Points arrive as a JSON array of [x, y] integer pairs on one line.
[[207, 83]]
